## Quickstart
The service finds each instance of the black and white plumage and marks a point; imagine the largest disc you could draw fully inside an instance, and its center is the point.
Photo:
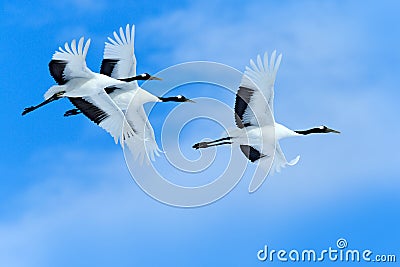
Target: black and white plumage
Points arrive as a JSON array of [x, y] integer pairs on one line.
[[75, 79], [119, 62], [256, 128]]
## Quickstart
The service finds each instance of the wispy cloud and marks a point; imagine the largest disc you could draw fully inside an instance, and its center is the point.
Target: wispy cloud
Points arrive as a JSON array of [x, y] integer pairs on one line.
[[308, 38]]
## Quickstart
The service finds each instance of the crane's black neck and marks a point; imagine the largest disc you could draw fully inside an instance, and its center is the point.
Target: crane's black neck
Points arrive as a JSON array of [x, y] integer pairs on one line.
[[311, 131], [134, 78], [169, 99]]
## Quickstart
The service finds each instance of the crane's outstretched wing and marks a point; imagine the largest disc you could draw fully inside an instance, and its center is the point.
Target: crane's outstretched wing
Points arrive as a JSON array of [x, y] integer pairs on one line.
[[146, 147], [70, 62], [254, 107], [119, 59], [255, 97], [280, 160], [119, 62], [104, 112]]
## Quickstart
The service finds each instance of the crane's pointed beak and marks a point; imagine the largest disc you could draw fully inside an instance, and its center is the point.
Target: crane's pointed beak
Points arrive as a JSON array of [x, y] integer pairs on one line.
[[190, 101], [332, 131], [155, 78]]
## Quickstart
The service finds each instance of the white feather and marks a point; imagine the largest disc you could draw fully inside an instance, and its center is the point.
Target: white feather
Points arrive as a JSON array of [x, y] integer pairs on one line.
[[122, 49]]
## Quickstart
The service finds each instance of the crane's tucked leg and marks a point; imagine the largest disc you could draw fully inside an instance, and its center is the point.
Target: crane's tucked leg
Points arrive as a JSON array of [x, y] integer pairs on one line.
[[217, 142], [54, 97], [320, 129], [72, 112]]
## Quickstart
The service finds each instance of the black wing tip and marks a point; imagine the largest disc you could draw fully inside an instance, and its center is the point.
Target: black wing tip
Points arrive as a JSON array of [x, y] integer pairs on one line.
[[56, 68], [107, 66], [242, 101]]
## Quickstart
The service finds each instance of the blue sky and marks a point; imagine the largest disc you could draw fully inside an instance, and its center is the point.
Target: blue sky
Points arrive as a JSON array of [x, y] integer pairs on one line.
[[66, 195]]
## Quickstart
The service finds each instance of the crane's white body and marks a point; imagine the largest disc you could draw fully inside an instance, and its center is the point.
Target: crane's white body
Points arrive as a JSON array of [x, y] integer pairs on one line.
[[75, 79], [253, 135], [79, 87], [257, 133], [78, 78]]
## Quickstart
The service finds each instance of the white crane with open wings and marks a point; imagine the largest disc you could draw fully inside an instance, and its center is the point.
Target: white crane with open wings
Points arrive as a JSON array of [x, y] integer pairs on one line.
[[75, 79], [256, 126], [119, 62]]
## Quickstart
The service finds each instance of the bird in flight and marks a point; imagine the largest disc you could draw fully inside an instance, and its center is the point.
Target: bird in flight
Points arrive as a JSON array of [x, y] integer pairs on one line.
[[256, 127], [119, 62], [75, 79]]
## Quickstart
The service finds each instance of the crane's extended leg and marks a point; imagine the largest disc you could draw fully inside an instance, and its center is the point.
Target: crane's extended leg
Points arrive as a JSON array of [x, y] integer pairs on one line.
[[54, 97], [217, 142]]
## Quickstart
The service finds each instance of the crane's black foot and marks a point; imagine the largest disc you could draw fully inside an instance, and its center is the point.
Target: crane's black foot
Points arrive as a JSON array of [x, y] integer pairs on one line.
[[27, 110], [200, 145], [72, 112]]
